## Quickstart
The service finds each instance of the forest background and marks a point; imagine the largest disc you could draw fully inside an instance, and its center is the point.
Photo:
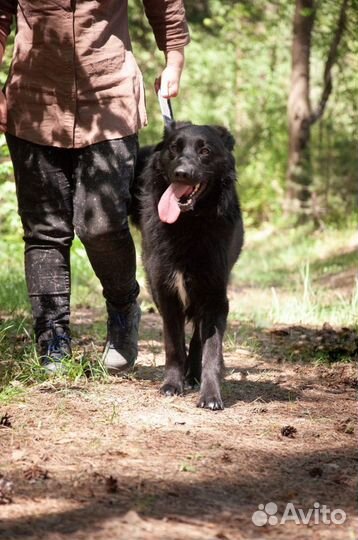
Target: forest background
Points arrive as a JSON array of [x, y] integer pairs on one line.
[[299, 262], [85, 455]]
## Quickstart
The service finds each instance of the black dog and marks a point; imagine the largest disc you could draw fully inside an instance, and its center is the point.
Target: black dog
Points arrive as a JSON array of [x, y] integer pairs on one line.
[[186, 206]]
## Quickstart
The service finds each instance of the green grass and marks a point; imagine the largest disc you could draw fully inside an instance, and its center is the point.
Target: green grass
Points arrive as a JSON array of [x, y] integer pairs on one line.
[[11, 392], [282, 277], [290, 276], [20, 363], [274, 258]]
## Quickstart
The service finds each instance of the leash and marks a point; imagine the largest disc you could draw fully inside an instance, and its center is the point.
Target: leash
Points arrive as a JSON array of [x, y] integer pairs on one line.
[[166, 109]]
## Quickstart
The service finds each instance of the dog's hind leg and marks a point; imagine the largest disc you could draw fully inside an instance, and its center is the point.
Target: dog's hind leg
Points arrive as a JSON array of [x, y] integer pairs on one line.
[[174, 344], [212, 332], [193, 371]]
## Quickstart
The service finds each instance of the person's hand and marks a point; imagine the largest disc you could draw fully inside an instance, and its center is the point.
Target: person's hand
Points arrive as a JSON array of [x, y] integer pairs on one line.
[[169, 81], [3, 112]]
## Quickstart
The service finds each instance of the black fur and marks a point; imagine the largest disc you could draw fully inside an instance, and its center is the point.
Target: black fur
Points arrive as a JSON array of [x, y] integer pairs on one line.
[[201, 246]]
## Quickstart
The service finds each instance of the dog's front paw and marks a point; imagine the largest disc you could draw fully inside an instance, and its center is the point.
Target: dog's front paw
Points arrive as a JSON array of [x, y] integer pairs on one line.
[[214, 403], [172, 389]]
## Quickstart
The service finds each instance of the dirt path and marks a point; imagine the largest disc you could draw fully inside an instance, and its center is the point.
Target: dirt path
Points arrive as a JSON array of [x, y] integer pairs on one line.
[[114, 460]]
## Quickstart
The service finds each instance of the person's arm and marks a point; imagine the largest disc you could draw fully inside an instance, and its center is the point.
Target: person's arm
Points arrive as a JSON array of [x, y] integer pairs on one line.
[[7, 12], [167, 19], [169, 81]]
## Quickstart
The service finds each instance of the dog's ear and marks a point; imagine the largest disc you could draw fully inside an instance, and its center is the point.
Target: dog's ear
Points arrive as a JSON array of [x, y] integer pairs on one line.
[[226, 137], [168, 130]]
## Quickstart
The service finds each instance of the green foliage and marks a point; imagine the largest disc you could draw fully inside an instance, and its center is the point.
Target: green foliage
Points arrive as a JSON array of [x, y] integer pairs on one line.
[[237, 74]]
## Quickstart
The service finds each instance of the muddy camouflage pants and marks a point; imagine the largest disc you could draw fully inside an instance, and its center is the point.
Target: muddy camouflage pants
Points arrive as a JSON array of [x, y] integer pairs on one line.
[[61, 191]]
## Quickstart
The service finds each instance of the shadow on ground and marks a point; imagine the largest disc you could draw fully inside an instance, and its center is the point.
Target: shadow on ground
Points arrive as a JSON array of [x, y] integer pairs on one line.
[[233, 498]]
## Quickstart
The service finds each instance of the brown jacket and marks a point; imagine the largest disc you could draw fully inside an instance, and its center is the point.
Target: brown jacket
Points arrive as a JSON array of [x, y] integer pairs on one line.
[[73, 80]]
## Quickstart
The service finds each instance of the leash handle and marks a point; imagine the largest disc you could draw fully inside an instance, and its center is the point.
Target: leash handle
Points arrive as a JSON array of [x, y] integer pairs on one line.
[[166, 109]]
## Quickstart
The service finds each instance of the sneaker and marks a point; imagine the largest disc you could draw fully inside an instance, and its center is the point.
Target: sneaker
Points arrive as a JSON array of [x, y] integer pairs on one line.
[[121, 349], [55, 346]]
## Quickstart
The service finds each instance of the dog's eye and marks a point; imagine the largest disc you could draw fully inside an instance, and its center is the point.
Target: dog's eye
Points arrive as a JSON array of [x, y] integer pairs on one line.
[[204, 151], [173, 148]]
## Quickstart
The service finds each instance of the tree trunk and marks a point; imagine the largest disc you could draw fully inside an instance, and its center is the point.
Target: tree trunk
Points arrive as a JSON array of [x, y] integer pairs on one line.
[[300, 115], [299, 174]]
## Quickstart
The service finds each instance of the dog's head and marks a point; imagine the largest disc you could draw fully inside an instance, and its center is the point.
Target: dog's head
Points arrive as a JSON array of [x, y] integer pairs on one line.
[[194, 159]]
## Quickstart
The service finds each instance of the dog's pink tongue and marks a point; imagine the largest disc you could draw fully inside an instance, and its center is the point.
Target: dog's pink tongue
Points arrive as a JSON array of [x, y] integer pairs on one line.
[[168, 208]]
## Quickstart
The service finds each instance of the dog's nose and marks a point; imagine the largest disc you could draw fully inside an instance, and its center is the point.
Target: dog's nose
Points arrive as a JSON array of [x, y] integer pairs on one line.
[[181, 174]]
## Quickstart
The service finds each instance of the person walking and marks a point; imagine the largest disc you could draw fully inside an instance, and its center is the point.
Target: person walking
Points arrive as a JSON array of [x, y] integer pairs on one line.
[[71, 110]]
